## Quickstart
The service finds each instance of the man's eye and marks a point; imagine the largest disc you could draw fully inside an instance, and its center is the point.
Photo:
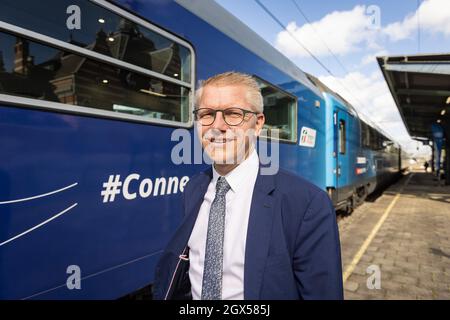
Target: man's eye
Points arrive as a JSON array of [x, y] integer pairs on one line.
[[206, 114], [235, 114]]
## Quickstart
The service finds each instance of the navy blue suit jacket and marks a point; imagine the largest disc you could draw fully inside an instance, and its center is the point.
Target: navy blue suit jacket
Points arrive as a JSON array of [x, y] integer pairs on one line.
[[292, 249]]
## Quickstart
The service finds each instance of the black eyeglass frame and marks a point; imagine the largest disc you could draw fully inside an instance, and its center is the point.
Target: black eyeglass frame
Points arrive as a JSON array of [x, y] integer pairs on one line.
[[245, 111]]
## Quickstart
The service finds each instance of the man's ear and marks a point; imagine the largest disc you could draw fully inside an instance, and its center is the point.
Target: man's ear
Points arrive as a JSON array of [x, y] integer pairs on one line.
[[260, 120]]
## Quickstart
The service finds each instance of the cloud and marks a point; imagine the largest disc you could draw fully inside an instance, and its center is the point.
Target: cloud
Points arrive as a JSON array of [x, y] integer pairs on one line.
[[351, 31], [343, 32], [434, 17], [371, 58], [354, 30], [372, 99]]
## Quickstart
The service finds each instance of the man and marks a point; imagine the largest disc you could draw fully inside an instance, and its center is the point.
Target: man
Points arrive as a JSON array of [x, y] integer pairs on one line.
[[246, 235]]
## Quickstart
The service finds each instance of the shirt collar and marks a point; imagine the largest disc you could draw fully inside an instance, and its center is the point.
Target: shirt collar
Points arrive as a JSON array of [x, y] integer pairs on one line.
[[238, 175]]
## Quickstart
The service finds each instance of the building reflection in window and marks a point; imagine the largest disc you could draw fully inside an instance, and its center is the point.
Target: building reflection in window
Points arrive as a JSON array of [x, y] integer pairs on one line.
[[124, 39], [33, 70]]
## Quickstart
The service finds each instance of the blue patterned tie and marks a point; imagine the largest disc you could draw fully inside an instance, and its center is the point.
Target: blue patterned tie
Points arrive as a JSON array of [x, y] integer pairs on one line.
[[213, 266]]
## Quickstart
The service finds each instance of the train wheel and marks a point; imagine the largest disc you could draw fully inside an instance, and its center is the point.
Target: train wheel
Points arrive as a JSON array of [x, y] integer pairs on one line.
[[349, 206], [359, 196]]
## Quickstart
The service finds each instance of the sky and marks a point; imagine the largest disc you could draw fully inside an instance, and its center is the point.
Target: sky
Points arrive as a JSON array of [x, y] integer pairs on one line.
[[346, 36]]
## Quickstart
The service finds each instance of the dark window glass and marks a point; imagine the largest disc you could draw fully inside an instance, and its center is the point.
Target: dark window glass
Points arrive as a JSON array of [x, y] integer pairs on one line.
[[380, 141], [279, 111], [388, 145], [365, 135], [342, 138], [32, 70], [101, 31], [373, 139]]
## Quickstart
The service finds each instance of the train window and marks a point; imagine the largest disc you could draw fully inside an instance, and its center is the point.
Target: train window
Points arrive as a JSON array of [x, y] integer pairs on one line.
[[342, 137], [94, 54], [92, 27], [365, 134], [374, 139], [388, 145], [34, 70], [280, 110], [380, 141]]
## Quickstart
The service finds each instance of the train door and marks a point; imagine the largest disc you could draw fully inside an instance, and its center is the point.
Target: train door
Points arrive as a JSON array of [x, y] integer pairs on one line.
[[342, 155]]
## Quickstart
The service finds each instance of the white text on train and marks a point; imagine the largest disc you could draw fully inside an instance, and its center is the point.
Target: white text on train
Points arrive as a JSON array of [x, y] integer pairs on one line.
[[133, 186]]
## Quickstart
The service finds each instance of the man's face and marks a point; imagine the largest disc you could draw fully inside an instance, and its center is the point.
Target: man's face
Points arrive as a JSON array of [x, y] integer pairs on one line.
[[223, 143]]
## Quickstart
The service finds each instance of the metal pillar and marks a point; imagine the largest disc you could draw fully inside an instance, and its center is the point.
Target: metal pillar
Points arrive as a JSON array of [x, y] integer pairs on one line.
[[432, 158], [447, 163]]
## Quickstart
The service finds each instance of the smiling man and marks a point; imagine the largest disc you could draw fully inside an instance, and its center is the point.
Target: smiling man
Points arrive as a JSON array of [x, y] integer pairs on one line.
[[246, 235], [229, 139]]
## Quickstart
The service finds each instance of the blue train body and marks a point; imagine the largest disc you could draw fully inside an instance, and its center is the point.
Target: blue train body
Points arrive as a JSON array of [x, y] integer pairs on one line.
[[359, 157], [55, 162]]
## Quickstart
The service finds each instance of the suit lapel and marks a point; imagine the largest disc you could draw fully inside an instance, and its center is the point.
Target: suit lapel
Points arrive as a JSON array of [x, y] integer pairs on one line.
[[258, 231], [258, 235], [193, 201]]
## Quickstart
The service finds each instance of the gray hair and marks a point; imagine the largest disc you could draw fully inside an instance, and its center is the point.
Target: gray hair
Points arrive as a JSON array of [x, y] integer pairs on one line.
[[232, 78]]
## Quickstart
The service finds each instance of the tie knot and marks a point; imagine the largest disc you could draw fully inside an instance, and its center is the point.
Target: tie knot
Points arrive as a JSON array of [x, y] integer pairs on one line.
[[222, 186]]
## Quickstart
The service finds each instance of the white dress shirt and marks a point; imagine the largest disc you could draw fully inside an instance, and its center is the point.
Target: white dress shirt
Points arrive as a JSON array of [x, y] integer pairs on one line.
[[238, 201]]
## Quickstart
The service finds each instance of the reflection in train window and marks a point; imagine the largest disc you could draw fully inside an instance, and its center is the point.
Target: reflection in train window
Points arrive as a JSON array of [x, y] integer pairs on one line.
[[375, 139], [32, 70], [121, 38], [279, 110]]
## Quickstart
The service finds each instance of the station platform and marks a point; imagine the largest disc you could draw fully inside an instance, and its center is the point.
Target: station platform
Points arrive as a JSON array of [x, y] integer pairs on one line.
[[398, 245]]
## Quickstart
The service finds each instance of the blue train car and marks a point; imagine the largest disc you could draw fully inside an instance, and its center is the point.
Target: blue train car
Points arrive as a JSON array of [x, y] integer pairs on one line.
[[91, 94], [93, 98], [360, 157]]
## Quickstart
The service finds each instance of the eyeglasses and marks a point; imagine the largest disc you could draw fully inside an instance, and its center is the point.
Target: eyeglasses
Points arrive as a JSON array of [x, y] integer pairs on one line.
[[232, 116]]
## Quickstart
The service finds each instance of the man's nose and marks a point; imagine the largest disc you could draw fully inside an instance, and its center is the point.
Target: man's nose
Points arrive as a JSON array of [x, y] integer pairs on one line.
[[220, 123]]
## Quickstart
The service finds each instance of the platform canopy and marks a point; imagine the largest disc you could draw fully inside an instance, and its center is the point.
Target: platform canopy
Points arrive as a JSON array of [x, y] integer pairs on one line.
[[420, 85]]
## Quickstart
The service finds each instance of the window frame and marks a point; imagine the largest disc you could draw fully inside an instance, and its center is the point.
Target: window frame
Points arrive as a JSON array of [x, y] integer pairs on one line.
[[365, 135], [91, 111], [295, 127]]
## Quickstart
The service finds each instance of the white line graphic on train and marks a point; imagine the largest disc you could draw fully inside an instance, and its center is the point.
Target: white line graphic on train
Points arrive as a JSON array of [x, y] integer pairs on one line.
[[39, 225]]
